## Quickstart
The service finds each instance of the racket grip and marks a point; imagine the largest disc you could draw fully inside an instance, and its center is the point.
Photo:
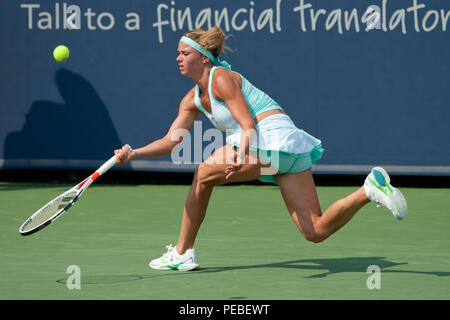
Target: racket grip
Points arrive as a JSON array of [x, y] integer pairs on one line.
[[107, 165]]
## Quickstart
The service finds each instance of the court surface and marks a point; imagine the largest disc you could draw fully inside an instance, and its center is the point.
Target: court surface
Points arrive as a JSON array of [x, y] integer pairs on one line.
[[247, 247]]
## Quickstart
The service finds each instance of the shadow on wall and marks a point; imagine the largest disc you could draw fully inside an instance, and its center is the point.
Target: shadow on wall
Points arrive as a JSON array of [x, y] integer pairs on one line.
[[79, 129]]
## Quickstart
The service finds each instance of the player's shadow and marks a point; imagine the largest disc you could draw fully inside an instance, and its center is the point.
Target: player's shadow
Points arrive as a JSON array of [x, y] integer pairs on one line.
[[331, 266], [315, 268], [80, 128]]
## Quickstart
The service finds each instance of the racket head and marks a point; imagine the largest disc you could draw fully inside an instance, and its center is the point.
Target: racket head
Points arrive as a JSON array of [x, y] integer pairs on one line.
[[49, 212]]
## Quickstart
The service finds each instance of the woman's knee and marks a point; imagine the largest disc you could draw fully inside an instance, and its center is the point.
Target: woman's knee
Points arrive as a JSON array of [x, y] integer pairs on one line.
[[310, 227], [315, 235], [206, 175]]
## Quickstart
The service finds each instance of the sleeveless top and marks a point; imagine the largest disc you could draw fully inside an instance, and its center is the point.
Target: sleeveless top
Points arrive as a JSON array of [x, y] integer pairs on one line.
[[221, 117]]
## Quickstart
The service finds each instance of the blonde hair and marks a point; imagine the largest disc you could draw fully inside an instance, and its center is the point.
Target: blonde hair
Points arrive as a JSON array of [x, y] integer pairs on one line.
[[212, 40]]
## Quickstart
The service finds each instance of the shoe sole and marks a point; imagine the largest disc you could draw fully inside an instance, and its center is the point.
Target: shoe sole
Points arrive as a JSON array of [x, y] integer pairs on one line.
[[178, 268], [394, 195], [188, 268]]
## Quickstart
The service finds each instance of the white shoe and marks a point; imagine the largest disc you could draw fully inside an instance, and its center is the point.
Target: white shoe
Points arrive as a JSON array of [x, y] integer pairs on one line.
[[172, 260], [379, 190]]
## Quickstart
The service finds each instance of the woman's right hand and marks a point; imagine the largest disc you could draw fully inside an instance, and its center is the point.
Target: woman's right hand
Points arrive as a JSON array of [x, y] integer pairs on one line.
[[123, 156]]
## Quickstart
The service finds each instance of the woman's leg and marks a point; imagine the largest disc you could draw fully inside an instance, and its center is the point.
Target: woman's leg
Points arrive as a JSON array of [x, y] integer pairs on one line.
[[207, 175], [300, 196]]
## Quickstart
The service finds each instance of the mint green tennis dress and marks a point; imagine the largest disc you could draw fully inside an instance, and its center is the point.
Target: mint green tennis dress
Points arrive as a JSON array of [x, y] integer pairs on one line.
[[279, 142]]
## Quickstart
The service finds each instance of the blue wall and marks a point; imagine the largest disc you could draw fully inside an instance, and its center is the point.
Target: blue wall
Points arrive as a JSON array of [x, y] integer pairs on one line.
[[378, 97]]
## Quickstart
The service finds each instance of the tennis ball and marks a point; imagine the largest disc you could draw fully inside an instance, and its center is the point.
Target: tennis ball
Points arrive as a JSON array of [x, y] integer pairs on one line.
[[61, 53]]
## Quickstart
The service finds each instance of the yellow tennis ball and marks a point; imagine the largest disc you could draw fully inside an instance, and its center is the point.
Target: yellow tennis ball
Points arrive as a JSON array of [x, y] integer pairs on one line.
[[61, 53]]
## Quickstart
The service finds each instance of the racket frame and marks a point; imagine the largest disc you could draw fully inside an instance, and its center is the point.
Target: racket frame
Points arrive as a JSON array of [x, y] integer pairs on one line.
[[78, 189]]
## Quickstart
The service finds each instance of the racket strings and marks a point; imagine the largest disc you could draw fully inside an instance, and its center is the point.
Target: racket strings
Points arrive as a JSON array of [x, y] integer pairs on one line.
[[48, 211]]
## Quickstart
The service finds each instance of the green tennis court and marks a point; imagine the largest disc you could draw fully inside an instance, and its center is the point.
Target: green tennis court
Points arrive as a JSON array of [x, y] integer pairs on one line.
[[247, 247]]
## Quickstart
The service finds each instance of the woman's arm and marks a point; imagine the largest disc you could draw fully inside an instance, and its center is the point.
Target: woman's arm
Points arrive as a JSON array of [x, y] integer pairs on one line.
[[227, 87], [183, 123]]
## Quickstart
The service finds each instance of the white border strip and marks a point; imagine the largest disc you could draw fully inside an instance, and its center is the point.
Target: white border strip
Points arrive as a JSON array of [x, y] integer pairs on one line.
[[152, 165]]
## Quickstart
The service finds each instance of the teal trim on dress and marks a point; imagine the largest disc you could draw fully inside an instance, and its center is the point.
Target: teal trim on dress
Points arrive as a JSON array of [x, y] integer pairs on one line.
[[257, 100], [287, 162]]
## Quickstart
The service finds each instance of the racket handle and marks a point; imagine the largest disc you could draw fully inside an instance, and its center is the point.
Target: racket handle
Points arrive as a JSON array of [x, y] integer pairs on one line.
[[107, 165]]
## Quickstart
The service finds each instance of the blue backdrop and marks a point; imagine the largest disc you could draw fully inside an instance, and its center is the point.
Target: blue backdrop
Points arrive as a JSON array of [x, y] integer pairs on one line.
[[374, 97]]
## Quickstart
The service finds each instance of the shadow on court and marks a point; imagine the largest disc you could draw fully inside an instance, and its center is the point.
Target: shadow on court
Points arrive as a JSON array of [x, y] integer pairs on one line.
[[329, 266]]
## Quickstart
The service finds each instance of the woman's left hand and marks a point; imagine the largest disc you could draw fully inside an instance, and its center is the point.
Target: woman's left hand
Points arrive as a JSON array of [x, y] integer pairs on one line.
[[233, 167]]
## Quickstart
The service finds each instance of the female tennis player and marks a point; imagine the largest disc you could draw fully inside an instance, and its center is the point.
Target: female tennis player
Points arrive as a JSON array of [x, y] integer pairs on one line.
[[264, 144]]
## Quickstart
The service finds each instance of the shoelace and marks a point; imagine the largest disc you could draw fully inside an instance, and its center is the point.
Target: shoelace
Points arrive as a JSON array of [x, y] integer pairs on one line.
[[168, 254]]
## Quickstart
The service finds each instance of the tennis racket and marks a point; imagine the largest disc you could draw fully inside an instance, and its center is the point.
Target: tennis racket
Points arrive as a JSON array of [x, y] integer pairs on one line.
[[59, 205]]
